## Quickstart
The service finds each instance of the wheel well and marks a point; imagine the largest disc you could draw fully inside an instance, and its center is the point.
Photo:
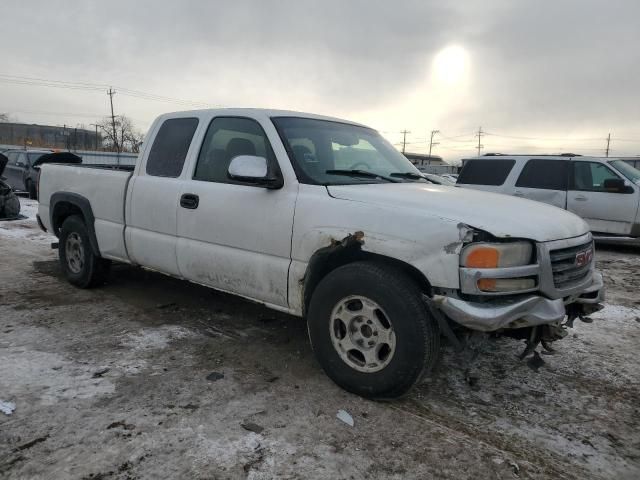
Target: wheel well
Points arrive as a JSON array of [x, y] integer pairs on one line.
[[327, 259], [61, 212]]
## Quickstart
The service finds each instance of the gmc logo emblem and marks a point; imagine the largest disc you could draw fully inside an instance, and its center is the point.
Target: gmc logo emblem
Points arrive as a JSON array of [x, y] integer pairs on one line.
[[584, 258]]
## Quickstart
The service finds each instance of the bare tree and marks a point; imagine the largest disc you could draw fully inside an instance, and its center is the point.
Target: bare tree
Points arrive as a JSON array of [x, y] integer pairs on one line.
[[4, 118], [127, 137]]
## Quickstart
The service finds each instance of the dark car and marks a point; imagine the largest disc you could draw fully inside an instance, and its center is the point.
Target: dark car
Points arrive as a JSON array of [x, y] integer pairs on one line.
[[19, 171], [9, 203], [22, 167]]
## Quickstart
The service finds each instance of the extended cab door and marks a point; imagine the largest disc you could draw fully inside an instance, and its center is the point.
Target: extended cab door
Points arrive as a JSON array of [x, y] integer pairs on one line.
[[605, 210], [236, 236], [153, 196], [544, 180]]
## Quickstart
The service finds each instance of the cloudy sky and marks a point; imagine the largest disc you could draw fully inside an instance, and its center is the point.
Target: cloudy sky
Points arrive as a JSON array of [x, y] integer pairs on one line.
[[537, 76]]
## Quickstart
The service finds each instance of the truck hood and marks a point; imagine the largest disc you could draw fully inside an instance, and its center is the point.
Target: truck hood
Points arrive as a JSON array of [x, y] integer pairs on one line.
[[501, 215]]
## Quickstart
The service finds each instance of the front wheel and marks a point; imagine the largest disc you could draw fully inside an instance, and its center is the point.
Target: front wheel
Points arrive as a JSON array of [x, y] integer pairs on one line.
[[371, 331], [82, 267]]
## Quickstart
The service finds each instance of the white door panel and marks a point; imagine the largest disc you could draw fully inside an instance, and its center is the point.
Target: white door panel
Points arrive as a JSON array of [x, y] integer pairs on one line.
[[604, 212], [556, 198], [238, 239], [152, 226]]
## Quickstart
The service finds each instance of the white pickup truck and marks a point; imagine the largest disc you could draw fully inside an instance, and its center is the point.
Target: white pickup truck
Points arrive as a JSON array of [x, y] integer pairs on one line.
[[323, 219]]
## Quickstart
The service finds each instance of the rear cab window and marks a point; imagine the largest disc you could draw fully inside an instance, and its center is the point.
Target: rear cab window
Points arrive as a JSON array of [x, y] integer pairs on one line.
[[544, 174], [486, 171], [170, 147]]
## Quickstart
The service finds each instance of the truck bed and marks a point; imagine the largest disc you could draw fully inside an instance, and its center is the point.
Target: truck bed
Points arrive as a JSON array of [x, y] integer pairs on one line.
[[103, 186]]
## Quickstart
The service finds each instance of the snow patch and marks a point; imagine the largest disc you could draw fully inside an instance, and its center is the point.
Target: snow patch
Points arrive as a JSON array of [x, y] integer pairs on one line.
[[49, 377], [28, 228], [7, 407], [155, 338]]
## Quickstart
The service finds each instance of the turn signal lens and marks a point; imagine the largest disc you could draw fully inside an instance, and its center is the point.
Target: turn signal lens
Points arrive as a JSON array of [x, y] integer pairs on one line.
[[496, 255], [505, 284], [483, 257]]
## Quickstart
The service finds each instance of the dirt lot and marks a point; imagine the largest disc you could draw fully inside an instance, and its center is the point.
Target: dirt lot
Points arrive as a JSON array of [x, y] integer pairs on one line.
[[150, 377]]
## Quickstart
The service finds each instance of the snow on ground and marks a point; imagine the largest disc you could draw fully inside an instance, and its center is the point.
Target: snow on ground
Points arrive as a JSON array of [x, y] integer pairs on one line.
[[26, 228], [152, 377]]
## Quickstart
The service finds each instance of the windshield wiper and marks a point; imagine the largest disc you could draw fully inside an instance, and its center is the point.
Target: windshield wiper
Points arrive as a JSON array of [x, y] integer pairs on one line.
[[417, 176], [361, 173]]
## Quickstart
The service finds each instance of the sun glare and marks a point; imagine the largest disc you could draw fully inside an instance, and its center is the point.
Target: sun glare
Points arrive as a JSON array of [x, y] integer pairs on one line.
[[451, 66]]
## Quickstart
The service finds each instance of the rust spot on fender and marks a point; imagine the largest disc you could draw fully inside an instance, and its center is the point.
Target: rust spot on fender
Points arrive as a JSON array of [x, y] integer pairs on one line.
[[351, 240]]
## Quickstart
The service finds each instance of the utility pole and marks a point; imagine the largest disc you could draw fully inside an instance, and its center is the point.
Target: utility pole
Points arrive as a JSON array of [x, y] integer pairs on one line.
[[95, 125], [479, 135], [608, 143], [111, 93], [404, 139], [431, 142]]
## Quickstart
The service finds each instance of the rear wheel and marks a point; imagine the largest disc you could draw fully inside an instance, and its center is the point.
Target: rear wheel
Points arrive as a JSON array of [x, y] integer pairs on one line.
[[82, 267], [371, 330], [31, 188]]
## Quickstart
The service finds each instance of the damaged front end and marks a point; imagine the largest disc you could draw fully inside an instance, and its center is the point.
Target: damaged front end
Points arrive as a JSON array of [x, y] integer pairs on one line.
[[535, 294]]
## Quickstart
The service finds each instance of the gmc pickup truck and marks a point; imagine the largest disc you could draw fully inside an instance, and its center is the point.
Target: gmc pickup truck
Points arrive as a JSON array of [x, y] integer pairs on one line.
[[323, 219]]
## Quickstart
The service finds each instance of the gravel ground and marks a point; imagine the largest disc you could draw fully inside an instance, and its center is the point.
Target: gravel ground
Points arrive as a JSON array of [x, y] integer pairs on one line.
[[151, 377]]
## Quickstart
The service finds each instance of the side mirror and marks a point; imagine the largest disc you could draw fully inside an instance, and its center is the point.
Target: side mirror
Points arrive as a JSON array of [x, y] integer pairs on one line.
[[616, 185], [253, 169]]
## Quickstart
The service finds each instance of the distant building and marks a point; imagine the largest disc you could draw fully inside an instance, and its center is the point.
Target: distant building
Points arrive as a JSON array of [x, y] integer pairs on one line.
[[430, 163], [47, 136], [421, 159]]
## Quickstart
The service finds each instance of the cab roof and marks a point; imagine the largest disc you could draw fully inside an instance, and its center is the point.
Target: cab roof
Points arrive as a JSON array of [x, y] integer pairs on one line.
[[258, 113]]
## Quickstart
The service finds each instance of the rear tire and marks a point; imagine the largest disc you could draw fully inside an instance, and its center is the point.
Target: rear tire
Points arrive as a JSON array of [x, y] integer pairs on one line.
[[371, 331], [31, 188], [81, 266]]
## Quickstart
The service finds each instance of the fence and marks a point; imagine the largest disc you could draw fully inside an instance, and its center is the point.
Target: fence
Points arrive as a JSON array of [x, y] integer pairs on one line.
[[92, 157]]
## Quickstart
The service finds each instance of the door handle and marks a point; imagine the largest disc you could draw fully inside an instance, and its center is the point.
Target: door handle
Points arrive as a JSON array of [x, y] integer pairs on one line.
[[581, 198], [517, 193], [190, 201]]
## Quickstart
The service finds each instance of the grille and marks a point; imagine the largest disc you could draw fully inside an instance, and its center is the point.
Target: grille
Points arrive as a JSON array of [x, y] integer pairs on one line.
[[566, 272]]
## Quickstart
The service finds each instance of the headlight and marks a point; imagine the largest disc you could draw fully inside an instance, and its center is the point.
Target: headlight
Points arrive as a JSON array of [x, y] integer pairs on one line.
[[499, 255], [496, 255]]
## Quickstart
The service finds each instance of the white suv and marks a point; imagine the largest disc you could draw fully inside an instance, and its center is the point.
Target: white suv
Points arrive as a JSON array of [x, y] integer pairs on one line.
[[603, 191]]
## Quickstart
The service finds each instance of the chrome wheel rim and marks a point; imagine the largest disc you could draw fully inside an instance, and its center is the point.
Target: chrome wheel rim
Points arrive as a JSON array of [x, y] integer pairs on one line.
[[362, 334], [74, 252]]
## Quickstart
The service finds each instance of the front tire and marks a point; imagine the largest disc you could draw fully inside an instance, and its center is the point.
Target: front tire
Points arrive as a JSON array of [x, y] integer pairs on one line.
[[81, 266], [371, 331]]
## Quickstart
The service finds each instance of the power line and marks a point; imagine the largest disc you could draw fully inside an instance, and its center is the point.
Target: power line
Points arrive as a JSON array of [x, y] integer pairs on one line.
[[518, 137], [96, 87]]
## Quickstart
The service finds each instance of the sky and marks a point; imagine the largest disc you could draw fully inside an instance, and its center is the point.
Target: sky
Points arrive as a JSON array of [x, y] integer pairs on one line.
[[536, 76]]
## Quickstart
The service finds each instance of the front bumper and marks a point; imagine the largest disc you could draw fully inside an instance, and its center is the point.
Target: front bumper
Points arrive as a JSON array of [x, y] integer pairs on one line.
[[520, 311]]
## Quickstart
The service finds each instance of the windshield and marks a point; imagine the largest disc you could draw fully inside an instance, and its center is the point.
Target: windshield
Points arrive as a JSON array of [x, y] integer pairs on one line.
[[333, 153], [627, 170]]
